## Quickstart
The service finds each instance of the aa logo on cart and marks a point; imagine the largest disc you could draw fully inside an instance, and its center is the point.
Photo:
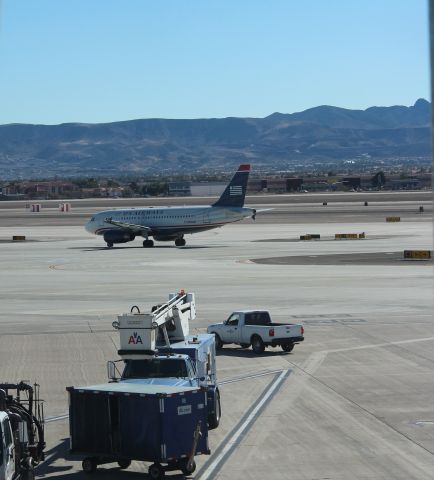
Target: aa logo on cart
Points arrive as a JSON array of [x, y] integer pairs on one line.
[[135, 339]]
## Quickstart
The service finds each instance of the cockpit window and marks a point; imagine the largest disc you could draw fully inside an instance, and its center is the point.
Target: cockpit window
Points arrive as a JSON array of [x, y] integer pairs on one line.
[[92, 219]]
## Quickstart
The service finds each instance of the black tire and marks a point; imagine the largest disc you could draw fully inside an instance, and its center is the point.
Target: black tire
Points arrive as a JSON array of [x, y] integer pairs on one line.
[[124, 463], [89, 465], [180, 242], [184, 467], [109, 245], [148, 243], [28, 474], [218, 342], [287, 347], [156, 471], [257, 344], [214, 418], [244, 345]]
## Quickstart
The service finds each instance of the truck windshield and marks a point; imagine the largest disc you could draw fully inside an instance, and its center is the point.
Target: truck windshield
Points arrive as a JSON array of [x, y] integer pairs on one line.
[[155, 368]]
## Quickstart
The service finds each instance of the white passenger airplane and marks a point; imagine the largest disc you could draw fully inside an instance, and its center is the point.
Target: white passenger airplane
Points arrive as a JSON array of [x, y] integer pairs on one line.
[[172, 223]]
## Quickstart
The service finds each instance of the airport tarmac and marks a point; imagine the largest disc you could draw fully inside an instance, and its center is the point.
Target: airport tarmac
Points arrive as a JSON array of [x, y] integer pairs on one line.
[[354, 401]]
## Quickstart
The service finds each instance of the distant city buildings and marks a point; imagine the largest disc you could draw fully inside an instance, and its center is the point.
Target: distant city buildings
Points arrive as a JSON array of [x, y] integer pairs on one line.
[[37, 190], [59, 189]]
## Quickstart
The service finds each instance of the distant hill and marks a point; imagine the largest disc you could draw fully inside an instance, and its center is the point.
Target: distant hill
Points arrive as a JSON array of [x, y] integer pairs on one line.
[[320, 134]]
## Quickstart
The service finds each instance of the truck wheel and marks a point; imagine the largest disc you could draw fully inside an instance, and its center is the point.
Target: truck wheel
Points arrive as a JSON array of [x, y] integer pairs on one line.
[[124, 463], [244, 345], [214, 418], [257, 344], [156, 471], [218, 342], [28, 474], [89, 465], [186, 469], [288, 347]]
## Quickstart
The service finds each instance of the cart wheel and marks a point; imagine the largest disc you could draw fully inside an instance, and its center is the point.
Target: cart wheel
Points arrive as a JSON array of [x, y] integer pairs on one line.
[[89, 465], [187, 469], [124, 463], [156, 471]]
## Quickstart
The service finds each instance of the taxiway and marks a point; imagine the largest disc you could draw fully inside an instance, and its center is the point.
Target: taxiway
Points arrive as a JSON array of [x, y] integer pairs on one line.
[[355, 400]]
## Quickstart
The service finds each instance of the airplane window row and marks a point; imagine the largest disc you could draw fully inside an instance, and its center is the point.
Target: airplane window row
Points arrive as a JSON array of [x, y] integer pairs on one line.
[[160, 216]]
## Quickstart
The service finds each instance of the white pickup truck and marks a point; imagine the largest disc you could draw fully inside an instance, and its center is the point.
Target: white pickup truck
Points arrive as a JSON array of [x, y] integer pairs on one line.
[[254, 327]]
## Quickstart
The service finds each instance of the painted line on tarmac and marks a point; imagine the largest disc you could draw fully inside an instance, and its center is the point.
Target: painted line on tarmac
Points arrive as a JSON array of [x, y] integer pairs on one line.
[[55, 419], [248, 377], [379, 345], [214, 465]]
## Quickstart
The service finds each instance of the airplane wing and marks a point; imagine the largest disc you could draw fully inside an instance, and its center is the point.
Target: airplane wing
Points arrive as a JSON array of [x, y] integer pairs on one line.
[[129, 226]]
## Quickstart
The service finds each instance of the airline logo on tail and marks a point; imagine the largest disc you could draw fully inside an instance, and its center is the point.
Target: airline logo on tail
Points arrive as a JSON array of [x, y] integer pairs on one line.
[[235, 190]]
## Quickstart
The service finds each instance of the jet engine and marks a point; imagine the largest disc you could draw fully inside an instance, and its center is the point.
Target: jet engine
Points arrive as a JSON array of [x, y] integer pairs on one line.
[[165, 238], [118, 236]]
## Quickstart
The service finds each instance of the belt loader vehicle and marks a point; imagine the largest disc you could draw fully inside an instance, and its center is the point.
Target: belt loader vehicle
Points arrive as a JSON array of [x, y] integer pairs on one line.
[[255, 328], [160, 408], [21, 431]]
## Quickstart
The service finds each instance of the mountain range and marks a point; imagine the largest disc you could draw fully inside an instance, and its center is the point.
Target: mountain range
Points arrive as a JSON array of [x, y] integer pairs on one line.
[[318, 135]]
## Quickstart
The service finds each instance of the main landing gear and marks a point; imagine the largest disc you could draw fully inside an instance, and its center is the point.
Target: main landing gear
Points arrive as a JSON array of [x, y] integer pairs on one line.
[[148, 243], [179, 242]]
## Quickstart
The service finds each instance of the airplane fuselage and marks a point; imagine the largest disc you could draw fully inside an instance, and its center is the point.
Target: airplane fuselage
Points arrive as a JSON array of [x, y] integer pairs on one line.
[[167, 223]]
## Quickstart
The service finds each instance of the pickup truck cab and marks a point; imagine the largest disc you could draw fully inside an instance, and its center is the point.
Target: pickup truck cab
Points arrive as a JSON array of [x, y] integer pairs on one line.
[[255, 328]]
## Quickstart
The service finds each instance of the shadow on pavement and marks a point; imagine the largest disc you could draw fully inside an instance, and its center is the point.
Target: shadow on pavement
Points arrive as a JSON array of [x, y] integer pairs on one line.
[[49, 468], [248, 353], [188, 247]]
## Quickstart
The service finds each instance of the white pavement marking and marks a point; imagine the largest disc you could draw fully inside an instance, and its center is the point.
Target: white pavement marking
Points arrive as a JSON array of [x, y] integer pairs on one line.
[[379, 345], [208, 473], [249, 377], [55, 419]]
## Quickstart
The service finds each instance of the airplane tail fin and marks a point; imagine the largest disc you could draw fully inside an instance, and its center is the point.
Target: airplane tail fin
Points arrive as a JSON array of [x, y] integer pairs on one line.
[[235, 192]]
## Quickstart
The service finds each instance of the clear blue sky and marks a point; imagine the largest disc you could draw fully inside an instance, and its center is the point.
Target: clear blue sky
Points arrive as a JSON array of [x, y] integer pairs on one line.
[[108, 60]]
